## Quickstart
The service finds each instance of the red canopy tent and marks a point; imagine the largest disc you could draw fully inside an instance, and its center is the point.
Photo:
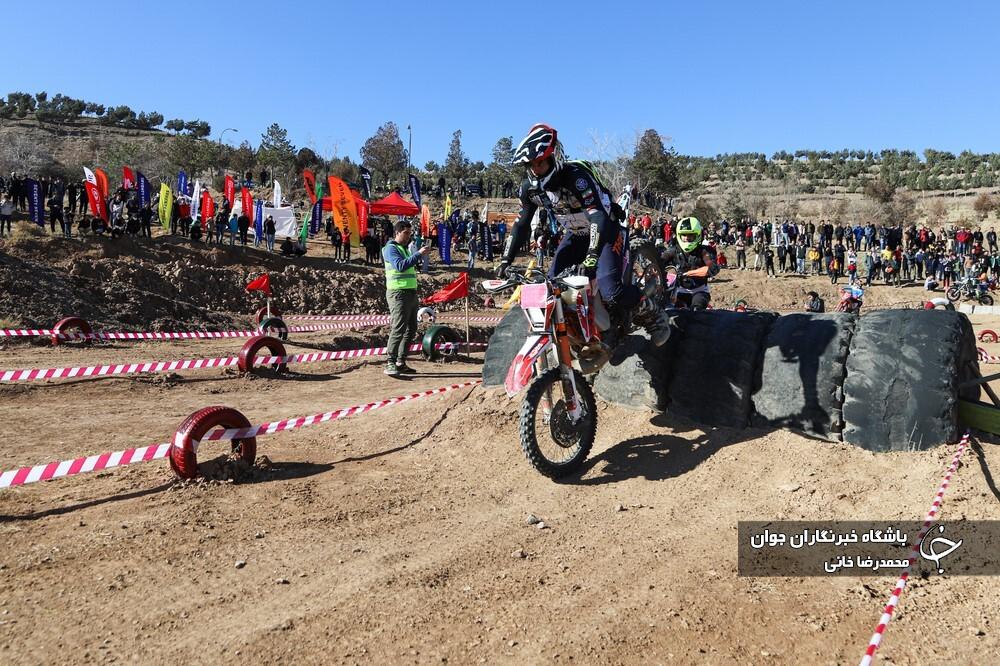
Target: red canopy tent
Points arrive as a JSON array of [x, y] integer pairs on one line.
[[394, 205], [391, 205]]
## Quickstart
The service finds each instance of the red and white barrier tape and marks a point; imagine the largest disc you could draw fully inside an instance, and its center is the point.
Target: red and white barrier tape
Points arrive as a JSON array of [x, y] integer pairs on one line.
[[986, 357], [55, 470], [174, 335], [450, 316], [37, 374], [897, 591]]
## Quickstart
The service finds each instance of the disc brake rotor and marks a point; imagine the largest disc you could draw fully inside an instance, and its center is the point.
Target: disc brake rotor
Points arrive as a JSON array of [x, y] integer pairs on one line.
[[564, 432]]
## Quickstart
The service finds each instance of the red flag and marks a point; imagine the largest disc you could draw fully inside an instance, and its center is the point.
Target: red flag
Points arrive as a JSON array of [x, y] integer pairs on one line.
[[310, 179], [207, 208], [248, 204], [454, 290], [128, 178], [363, 217], [98, 205], [262, 283], [229, 190]]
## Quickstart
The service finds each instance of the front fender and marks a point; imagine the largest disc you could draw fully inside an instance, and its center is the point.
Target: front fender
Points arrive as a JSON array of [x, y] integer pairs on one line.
[[523, 368]]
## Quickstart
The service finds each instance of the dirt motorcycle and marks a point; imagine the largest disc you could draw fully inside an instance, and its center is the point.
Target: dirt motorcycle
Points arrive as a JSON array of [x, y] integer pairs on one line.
[[567, 323], [970, 289], [851, 299]]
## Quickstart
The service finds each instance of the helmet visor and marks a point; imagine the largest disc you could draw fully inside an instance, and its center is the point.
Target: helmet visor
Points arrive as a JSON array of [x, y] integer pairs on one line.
[[688, 237]]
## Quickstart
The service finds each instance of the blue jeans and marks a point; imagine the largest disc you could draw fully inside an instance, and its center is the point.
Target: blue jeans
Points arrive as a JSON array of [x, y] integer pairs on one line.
[[572, 251], [270, 242]]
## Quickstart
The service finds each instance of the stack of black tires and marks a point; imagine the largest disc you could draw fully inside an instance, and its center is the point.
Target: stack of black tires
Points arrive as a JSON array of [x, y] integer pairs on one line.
[[885, 380]]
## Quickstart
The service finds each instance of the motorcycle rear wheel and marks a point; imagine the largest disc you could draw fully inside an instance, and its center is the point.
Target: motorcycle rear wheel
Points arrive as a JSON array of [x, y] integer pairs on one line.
[[552, 443]]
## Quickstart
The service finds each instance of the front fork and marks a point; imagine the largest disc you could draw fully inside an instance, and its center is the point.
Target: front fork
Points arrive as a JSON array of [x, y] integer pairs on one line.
[[561, 355]]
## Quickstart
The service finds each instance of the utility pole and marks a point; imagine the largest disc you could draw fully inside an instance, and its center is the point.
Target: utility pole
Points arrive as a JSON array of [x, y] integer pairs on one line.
[[409, 150]]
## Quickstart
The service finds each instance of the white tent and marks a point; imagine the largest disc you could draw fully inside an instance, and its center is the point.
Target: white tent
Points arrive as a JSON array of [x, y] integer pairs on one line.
[[284, 219]]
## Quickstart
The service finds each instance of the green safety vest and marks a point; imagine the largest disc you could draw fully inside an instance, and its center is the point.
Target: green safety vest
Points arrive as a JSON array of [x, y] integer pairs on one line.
[[398, 280]]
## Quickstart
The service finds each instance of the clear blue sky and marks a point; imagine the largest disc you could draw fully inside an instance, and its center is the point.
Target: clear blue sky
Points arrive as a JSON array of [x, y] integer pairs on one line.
[[713, 76]]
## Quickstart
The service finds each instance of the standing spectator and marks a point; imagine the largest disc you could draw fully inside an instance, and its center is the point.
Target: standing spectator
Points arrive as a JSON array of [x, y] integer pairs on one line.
[[347, 245], [782, 255], [336, 240], [55, 212], [741, 251], [243, 225], [234, 228], [6, 213], [146, 220], [401, 294], [221, 225], [471, 246], [269, 231], [800, 257], [769, 261]]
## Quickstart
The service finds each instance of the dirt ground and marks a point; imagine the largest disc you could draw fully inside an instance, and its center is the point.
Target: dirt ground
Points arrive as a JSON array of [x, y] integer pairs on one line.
[[400, 536]]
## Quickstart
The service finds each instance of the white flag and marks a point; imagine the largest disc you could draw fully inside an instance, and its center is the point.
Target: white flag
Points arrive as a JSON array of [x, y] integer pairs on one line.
[[277, 194], [196, 201]]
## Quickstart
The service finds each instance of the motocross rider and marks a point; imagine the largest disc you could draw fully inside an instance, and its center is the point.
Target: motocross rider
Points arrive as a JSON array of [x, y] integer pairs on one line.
[[695, 263], [592, 238]]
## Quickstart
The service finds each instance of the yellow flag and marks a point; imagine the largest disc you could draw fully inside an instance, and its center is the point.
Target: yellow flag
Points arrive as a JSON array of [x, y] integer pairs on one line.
[[345, 211], [447, 207], [166, 205]]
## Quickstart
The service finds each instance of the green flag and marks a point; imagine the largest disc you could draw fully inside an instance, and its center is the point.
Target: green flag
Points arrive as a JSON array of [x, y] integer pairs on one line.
[[304, 233]]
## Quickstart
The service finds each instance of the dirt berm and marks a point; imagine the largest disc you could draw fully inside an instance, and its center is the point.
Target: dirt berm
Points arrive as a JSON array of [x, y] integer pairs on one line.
[[887, 380]]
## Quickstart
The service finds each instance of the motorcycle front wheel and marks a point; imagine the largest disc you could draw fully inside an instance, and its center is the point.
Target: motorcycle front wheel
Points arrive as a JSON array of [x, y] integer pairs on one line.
[[551, 441], [954, 293], [985, 299]]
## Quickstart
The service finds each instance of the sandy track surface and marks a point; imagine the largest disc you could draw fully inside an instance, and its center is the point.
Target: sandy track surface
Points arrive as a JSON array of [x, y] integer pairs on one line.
[[400, 536]]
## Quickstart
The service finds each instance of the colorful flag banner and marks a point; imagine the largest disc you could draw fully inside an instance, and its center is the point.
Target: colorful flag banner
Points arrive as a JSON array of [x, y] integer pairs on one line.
[[366, 182], [444, 243], [363, 218], [258, 219], [128, 178], [425, 221], [304, 231], [316, 221], [447, 206], [277, 194], [102, 182], [454, 290], [262, 283], [166, 206], [229, 191], [247, 203], [145, 190], [309, 178], [98, 205], [182, 182], [345, 212], [36, 206], [196, 200], [415, 189], [207, 209]]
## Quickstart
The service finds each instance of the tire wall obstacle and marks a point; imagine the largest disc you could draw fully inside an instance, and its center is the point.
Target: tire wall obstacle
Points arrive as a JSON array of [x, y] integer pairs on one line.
[[887, 380], [274, 325], [437, 335], [184, 449], [70, 325], [250, 348]]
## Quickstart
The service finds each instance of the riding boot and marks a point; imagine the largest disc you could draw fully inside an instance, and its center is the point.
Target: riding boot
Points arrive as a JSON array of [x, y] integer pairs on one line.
[[654, 320]]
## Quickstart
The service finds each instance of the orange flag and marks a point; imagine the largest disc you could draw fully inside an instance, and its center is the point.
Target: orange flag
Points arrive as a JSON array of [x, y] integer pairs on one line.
[[102, 181], [345, 212]]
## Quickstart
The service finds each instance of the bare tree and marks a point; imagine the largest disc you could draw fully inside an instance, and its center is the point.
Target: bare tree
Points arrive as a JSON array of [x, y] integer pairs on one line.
[[611, 157], [22, 154]]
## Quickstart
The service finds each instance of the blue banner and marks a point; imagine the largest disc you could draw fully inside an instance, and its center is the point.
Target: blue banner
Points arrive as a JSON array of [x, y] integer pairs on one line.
[[182, 182], [258, 218], [315, 225], [36, 205], [145, 196], [444, 243], [415, 189]]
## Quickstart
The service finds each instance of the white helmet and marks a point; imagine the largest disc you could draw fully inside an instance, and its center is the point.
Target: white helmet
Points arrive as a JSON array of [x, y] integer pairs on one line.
[[426, 314]]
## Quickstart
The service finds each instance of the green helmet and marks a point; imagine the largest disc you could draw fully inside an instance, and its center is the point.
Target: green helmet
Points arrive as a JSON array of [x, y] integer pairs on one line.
[[689, 233]]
